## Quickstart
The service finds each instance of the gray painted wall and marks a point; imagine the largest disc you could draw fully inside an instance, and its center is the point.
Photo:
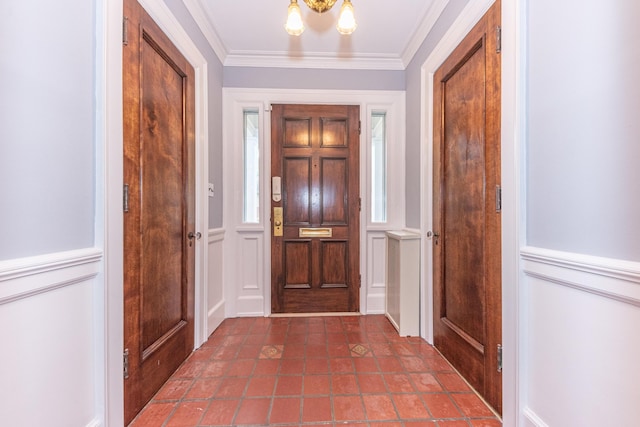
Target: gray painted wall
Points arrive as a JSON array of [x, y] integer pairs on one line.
[[47, 126], [304, 78], [215, 74], [413, 88], [583, 125]]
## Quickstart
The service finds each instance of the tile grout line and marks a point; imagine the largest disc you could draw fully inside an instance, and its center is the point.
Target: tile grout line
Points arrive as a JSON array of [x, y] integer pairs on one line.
[[371, 331]]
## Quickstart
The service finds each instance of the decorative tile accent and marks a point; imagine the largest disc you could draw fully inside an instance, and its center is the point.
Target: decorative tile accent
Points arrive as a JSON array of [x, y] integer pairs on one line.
[[271, 352], [359, 350]]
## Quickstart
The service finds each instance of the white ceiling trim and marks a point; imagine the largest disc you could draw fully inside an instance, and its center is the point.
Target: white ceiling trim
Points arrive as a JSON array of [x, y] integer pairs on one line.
[[423, 31], [200, 16], [310, 60]]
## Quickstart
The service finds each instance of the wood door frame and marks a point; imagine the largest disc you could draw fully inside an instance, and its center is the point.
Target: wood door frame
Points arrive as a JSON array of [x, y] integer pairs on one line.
[[109, 180], [513, 92]]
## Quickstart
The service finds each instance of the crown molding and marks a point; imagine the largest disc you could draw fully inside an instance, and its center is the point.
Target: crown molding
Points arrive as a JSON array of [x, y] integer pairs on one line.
[[312, 60], [200, 16], [429, 20]]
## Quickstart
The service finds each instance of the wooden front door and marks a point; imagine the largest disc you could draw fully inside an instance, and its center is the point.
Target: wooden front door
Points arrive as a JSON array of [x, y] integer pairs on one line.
[[315, 241], [467, 231], [159, 268]]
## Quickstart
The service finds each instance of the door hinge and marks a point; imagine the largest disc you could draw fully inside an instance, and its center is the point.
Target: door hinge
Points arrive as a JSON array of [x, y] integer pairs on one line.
[[498, 198], [125, 31], [125, 363], [125, 198], [359, 204], [499, 357], [498, 39], [359, 280], [359, 127]]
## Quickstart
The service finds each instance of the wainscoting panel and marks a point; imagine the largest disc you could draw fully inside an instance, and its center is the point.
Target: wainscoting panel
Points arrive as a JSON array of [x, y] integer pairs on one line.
[[250, 288], [376, 270], [581, 342], [251, 272], [215, 288], [49, 339]]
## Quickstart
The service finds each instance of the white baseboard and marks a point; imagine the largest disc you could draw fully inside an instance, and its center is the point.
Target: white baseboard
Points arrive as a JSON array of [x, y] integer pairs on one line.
[[95, 423], [215, 316], [375, 304], [532, 419], [250, 306]]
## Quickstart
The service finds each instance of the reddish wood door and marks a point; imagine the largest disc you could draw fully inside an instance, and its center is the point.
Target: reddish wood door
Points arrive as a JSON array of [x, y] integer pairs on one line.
[[315, 263], [158, 89], [467, 248]]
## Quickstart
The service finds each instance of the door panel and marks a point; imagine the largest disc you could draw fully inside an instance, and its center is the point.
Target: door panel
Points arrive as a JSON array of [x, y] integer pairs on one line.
[[296, 188], [315, 264], [467, 253], [160, 210], [334, 184], [463, 167], [334, 262], [159, 268], [298, 253]]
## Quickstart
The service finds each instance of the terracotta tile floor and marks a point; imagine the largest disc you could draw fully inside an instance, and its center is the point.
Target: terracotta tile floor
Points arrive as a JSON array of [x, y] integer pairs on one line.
[[315, 371]]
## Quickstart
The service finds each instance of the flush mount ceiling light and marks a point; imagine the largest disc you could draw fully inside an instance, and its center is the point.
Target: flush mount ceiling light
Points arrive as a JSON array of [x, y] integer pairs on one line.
[[346, 20]]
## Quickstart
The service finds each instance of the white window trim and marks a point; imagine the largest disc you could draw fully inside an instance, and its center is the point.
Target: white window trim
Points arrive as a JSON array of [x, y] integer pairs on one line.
[[395, 161]]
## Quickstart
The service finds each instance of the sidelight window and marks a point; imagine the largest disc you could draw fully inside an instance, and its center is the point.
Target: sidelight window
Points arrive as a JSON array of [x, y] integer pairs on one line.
[[378, 167], [251, 167]]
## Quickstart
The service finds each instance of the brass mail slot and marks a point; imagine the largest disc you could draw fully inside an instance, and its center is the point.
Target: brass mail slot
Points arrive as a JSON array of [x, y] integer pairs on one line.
[[315, 232]]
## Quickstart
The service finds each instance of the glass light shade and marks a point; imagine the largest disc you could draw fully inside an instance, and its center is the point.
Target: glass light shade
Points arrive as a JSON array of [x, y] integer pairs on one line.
[[294, 25], [347, 20]]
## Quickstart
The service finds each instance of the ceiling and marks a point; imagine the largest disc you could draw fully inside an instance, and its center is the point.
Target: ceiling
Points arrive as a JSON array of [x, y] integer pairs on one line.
[[251, 33]]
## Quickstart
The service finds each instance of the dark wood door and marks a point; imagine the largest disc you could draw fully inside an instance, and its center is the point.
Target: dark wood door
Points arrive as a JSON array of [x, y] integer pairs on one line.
[[467, 245], [158, 89], [315, 263]]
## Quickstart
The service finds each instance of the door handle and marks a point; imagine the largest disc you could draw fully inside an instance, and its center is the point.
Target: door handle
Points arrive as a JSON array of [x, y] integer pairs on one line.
[[193, 235], [277, 221], [435, 236]]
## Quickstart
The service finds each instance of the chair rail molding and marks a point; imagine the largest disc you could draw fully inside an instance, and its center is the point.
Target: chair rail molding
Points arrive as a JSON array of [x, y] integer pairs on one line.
[[605, 277], [26, 277]]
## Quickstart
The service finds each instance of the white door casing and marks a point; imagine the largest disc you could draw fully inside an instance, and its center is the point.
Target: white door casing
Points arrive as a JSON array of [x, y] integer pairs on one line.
[[247, 246]]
